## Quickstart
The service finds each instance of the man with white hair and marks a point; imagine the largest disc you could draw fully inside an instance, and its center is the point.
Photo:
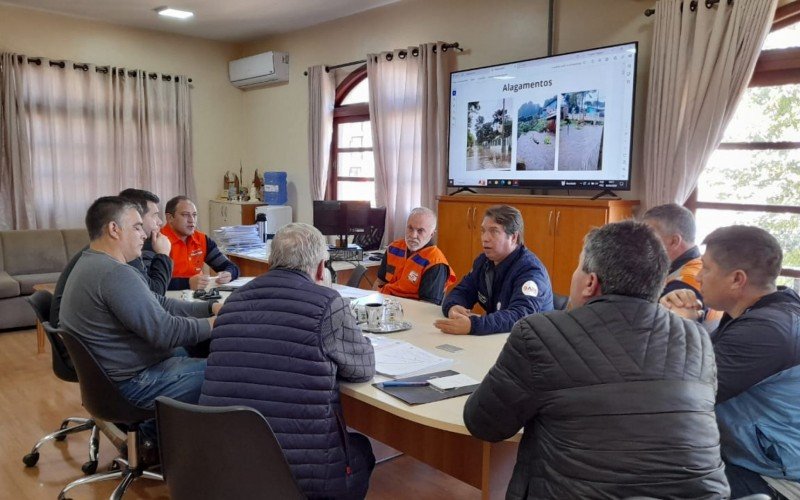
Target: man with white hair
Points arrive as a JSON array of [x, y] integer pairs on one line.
[[280, 345], [414, 267]]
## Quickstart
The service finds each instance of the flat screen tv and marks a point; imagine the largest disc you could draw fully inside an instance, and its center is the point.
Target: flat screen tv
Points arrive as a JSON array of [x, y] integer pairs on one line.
[[560, 122]]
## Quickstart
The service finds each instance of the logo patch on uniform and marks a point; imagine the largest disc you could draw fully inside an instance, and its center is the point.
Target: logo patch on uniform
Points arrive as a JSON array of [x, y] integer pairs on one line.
[[530, 288], [413, 276], [499, 306]]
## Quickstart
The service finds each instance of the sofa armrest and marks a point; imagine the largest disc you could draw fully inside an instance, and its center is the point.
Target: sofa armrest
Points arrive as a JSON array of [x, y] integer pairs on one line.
[[9, 287]]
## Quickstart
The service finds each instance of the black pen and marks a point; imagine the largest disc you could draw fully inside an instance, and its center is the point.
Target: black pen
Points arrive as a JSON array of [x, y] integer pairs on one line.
[[402, 383]]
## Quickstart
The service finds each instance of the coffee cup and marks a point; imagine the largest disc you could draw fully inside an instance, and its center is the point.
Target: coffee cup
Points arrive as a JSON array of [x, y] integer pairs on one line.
[[374, 315]]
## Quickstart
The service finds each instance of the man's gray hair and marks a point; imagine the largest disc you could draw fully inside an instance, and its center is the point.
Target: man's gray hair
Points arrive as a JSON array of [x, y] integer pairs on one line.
[[424, 211], [674, 219], [298, 246], [628, 259]]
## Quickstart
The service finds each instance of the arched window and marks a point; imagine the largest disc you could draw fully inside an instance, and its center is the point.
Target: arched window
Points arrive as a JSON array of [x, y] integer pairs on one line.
[[754, 176], [352, 167]]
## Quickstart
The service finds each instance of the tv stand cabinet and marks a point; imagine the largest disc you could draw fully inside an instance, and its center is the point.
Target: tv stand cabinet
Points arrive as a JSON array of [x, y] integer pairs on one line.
[[554, 228]]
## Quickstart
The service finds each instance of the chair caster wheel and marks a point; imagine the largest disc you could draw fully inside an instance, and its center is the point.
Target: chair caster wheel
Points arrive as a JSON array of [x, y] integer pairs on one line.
[[113, 466], [30, 459], [89, 467]]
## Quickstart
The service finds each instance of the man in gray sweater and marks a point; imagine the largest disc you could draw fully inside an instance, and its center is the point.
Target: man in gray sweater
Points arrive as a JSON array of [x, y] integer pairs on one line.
[[132, 332]]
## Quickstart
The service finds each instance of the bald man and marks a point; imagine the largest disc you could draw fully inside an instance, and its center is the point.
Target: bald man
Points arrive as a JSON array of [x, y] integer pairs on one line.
[[413, 267]]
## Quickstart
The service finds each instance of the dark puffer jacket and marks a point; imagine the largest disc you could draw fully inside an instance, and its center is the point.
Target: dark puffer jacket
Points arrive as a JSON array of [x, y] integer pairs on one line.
[[616, 399], [266, 353]]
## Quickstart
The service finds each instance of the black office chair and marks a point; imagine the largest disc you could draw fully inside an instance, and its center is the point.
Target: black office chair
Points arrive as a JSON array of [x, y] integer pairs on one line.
[[358, 274], [560, 302], [62, 367], [102, 400], [226, 452]]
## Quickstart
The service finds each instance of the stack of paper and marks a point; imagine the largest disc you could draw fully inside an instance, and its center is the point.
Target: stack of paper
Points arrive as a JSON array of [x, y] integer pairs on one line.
[[238, 238], [395, 358]]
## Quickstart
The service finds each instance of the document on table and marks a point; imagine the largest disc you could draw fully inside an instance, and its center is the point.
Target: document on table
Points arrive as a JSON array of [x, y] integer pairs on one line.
[[239, 282], [395, 358]]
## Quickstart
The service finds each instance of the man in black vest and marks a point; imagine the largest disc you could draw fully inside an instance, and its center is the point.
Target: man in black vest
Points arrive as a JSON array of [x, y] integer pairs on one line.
[[615, 395], [281, 345]]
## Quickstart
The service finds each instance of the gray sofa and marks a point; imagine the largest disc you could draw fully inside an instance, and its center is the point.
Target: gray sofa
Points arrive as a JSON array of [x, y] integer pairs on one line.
[[28, 258]]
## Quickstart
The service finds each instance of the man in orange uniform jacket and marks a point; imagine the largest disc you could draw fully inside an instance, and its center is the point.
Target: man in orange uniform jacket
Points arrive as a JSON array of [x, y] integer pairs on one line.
[[191, 249], [413, 267]]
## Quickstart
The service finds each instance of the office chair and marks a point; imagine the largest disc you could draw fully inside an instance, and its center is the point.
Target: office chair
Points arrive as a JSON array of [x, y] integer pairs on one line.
[[102, 399], [358, 274], [226, 452], [560, 301], [62, 367]]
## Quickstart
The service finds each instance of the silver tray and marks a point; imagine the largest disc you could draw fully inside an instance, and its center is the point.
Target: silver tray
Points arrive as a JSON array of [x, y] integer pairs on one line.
[[387, 327]]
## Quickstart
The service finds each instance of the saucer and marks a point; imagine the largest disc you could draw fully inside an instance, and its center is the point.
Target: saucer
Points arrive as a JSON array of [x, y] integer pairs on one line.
[[387, 327]]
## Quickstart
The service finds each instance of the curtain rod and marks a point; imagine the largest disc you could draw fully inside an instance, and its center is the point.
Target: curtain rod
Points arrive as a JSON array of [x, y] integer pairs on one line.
[[402, 54], [99, 69], [692, 6]]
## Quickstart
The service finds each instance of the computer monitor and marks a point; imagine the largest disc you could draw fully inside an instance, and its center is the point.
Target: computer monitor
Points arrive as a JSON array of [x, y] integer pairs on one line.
[[341, 218]]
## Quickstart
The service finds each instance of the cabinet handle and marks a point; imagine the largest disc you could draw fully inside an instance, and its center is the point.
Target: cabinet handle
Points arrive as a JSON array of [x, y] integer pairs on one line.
[[558, 217], [469, 210], [550, 222], [474, 217]]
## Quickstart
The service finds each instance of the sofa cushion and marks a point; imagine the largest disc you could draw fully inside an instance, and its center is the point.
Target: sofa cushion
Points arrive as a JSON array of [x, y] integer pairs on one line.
[[9, 287], [26, 281], [75, 240], [33, 251]]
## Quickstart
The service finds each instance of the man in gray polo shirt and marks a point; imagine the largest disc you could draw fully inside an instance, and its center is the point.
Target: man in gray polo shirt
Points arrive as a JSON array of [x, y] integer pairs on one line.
[[132, 332]]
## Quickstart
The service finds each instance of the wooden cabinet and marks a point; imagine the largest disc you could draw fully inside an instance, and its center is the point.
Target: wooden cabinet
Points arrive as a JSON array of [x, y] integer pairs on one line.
[[554, 228], [231, 213]]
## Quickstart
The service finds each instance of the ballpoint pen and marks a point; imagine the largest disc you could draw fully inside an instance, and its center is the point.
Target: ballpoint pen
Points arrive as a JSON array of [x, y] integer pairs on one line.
[[401, 383]]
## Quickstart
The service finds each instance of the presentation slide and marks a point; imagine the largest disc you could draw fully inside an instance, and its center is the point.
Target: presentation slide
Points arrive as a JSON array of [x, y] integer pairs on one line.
[[561, 121]]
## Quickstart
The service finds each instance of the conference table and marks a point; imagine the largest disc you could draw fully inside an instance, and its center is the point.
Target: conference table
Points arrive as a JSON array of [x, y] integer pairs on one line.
[[433, 433]]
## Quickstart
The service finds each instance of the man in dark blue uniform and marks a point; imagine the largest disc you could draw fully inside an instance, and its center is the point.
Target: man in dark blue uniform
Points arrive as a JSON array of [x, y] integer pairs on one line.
[[507, 280]]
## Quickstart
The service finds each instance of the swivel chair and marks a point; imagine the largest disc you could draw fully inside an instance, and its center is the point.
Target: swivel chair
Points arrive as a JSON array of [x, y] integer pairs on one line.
[[355, 278], [62, 367], [103, 400], [221, 452]]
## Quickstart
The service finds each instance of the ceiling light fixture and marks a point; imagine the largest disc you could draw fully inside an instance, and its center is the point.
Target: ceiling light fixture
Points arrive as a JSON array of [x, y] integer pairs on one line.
[[174, 13]]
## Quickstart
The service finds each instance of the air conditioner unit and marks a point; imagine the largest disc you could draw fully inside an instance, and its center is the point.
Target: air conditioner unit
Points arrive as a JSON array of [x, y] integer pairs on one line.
[[260, 69]]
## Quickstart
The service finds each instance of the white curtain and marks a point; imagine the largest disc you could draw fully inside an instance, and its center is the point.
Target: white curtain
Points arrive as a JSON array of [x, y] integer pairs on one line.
[[701, 64], [72, 134], [321, 96], [408, 106]]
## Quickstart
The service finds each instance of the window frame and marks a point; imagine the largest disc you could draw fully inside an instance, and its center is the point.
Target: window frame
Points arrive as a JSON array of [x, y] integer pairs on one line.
[[774, 67], [346, 113]]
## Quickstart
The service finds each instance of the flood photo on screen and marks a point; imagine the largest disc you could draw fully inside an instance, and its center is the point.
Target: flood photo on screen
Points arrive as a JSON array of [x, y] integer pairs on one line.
[[580, 130], [536, 134], [489, 135]]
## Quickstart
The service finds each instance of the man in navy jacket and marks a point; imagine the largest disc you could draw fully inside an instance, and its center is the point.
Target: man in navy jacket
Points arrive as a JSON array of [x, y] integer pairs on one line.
[[507, 280], [757, 349]]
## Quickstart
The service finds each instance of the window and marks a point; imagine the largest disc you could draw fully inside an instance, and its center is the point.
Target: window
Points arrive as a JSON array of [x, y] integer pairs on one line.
[[754, 176], [352, 172]]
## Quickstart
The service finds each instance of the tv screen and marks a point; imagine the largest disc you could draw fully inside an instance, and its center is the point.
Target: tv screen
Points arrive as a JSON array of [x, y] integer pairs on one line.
[[562, 122]]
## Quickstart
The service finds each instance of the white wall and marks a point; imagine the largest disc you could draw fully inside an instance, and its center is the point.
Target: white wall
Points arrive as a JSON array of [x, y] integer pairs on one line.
[[216, 104], [275, 118]]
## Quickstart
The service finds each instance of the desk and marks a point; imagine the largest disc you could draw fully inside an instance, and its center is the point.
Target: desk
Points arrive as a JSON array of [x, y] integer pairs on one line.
[[47, 287], [251, 265], [434, 433]]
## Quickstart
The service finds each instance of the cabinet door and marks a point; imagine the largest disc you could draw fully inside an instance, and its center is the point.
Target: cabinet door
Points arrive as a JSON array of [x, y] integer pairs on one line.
[[571, 225], [456, 234], [215, 217], [234, 214], [540, 224]]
